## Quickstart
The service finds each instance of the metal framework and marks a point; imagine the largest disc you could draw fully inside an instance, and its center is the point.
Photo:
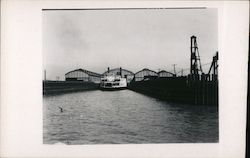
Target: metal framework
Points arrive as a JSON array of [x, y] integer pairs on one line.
[[214, 65], [195, 58]]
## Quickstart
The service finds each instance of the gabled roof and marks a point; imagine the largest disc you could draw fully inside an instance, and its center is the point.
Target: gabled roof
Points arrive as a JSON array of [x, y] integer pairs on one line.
[[85, 71], [165, 72], [146, 69], [118, 69]]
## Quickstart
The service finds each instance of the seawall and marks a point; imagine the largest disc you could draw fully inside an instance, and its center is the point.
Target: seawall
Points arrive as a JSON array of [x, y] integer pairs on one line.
[[57, 87], [179, 89]]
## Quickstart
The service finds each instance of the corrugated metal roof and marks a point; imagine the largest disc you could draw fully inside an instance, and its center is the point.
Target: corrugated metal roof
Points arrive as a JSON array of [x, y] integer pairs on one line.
[[162, 71], [85, 71], [146, 69]]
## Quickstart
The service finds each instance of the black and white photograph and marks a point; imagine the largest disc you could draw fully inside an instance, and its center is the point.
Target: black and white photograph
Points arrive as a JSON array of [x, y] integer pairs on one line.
[[130, 76], [125, 79]]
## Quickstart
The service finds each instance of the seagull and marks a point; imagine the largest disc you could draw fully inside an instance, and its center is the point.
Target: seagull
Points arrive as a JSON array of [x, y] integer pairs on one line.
[[61, 109]]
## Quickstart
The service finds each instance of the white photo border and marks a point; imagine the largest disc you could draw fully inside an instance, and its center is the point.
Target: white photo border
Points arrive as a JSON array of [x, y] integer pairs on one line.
[[21, 86]]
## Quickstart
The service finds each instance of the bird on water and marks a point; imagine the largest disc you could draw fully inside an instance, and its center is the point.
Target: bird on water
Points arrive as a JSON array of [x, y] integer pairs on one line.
[[61, 109]]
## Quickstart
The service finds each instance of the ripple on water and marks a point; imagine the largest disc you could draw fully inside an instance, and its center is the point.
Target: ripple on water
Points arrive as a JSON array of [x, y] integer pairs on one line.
[[124, 117]]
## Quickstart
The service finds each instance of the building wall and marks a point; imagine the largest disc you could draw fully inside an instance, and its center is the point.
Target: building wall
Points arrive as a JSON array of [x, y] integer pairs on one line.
[[94, 79], [165, 74], [145, 72]]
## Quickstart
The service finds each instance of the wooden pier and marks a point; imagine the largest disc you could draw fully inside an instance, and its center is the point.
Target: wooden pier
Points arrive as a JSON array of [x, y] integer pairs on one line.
[[196, 88], [202, 91]]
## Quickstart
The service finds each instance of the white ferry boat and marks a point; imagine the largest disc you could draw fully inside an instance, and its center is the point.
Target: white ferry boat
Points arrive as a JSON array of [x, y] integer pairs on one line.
[[113, 82]]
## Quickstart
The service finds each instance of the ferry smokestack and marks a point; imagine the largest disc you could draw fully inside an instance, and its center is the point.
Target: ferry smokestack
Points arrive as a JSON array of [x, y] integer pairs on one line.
[[121, 71], [108, 69]]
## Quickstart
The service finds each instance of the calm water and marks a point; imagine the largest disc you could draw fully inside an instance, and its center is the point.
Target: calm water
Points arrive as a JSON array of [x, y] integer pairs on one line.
[[103, 117]]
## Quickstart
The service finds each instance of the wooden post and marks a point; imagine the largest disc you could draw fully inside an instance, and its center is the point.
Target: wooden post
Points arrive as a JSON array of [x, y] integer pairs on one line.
[[203, 88], [44, 75]]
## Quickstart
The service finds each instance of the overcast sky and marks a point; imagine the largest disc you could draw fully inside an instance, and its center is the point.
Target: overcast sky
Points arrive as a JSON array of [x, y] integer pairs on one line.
[[131, 39]]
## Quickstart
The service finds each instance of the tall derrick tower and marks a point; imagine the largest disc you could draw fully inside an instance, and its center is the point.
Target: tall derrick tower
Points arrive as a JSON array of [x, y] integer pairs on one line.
[[214, 67], [195, 58]]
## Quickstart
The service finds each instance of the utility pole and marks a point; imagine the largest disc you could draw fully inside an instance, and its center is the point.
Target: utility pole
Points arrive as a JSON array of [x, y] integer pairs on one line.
[[174, 68]]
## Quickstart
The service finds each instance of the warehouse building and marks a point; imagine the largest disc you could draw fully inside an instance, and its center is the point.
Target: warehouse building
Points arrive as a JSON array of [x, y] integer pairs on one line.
[[83, 75], [164, 73], [119, 71], [145, 74]]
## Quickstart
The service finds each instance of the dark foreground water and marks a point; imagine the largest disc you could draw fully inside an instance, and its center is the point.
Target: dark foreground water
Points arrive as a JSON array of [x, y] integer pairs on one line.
[[103, 117]]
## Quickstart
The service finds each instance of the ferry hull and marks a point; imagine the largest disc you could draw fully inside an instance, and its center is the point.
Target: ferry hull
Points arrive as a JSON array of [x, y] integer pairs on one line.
[[112, 88]]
